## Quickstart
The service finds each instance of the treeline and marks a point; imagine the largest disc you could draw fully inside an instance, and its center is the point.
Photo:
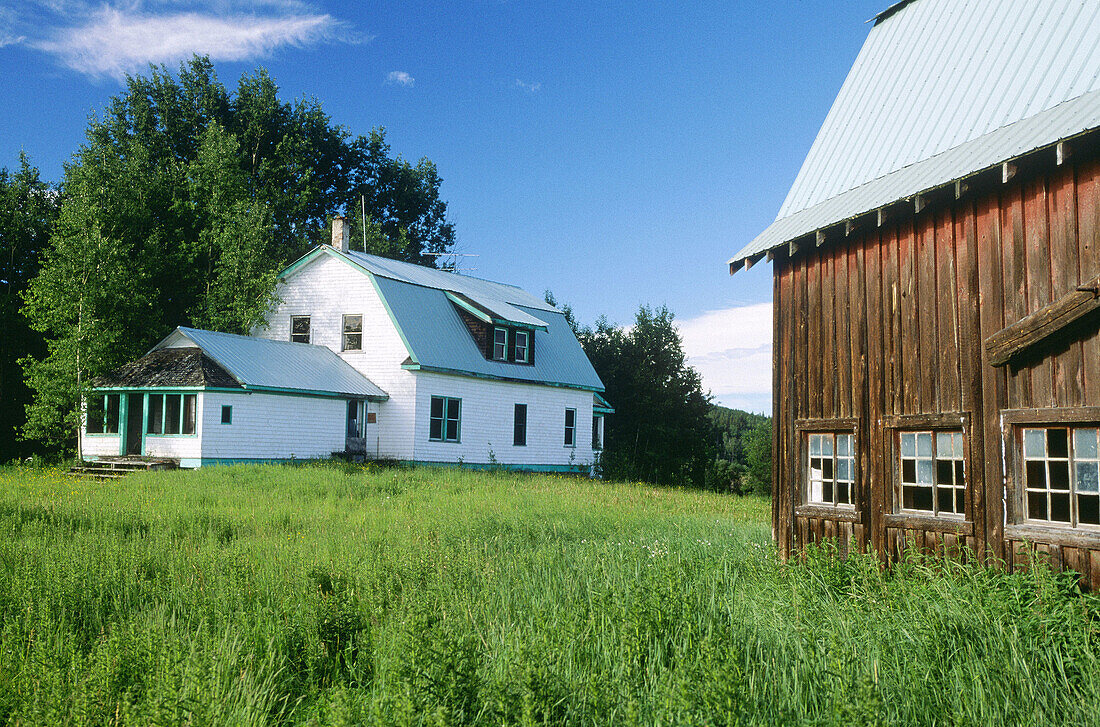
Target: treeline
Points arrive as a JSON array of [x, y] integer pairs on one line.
[[665, 429], [179, 208]]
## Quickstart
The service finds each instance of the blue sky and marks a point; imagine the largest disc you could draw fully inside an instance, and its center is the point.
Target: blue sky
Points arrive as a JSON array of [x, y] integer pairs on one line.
[[617, 153]]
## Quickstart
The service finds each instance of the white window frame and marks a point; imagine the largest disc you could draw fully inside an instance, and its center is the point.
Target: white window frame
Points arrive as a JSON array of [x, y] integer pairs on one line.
[[928, 449], [570, 430], [344, 332], [309, 329], [502, 346], [526, 348]]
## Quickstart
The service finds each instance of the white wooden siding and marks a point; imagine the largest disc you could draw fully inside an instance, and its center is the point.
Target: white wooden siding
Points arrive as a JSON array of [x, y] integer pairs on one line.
[[325, 290], [272, 426], [487, 422]]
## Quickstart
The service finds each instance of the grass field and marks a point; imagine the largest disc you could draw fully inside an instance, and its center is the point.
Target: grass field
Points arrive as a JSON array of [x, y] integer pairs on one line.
[[318, 595]]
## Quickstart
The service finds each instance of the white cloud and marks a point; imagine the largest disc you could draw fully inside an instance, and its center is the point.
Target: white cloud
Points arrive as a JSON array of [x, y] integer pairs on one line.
[[528, 87], [7, 39], [400, 78], [112, 40], [732, 351]]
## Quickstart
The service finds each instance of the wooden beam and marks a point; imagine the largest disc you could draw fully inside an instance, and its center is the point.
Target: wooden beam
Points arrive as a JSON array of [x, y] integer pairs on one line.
[[849, 227], [1007, 343], [769, 255], [919, 203], [748, 263], [1061, 152], [820, 238], [1008, 171], [880, 217], [792, 248], [961, 188]]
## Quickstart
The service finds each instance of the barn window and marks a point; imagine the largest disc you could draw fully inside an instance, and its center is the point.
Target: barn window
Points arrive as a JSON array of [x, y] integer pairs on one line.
[[227, 414], [570, 427], [353, 333], [932, 478], [445, 422], [519, 426], [831, 470], [299, 329], [1061, 475]]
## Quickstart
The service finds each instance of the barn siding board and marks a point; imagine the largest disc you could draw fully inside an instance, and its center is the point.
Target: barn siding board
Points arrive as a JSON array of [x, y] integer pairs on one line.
[[891, 320]]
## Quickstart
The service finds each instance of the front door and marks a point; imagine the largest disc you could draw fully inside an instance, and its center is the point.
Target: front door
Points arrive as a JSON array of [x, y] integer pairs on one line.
[[356, 435], [135, 405]]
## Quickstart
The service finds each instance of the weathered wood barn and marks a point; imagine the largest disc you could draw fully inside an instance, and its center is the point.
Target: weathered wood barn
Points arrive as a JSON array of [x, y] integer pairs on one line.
[[936, 317]]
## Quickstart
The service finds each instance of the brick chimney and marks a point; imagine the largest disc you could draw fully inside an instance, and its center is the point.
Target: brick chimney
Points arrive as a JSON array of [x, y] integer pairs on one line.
[[340, 234]]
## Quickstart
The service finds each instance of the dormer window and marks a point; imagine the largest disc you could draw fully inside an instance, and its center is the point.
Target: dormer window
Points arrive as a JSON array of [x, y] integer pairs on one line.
[[500, 344], [522, 339]]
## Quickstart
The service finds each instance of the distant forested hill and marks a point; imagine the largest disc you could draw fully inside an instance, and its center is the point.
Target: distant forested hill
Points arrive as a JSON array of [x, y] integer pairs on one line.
[[743, 444]]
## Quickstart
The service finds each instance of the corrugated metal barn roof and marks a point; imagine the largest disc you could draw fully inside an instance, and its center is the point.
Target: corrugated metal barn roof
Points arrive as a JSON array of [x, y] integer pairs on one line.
[[281, 365], [940, 90], [439, 340]]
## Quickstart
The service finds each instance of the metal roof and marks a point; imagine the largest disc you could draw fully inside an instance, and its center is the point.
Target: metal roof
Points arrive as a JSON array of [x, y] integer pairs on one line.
[[262, 363], [499, 298], [940, 90], [438, 340]]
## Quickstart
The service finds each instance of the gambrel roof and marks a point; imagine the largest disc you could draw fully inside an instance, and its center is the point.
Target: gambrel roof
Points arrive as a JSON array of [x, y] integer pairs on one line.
[[942, 90], [424, 305]]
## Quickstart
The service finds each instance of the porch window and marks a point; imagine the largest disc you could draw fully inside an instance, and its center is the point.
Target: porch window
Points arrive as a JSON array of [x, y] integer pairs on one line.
[[1061, 469], [299, 329], [519, 426], [353, 333], [446, 418], [570, 427], [500, 344], [102, 414], [597, 444], [831, 472], [932, 477], [171, 414]]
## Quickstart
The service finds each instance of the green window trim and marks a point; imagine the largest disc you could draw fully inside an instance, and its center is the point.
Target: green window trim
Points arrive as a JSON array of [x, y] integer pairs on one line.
[[171, 415], [445, 419]]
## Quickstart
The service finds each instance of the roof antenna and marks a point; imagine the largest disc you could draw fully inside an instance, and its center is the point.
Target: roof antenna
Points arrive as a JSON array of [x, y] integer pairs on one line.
[[363, 219]]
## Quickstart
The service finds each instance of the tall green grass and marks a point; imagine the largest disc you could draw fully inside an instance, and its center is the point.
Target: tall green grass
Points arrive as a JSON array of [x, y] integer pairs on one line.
[[327, 595]]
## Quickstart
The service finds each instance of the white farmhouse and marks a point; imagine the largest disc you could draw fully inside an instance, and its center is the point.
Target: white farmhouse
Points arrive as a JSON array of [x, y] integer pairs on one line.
[[368, 356]]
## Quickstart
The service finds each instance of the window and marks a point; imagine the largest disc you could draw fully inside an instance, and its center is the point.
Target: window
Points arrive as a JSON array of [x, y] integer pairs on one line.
[[500, 344], [189, 403], [519, 426], [353, 333], [933, 478], [103, 414], [570, 427], [446, 416], [1061, 472], [832, 469], [356, 418], [155, 419], [227, 415], [299, 329], [596, 443], [522, 337]]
